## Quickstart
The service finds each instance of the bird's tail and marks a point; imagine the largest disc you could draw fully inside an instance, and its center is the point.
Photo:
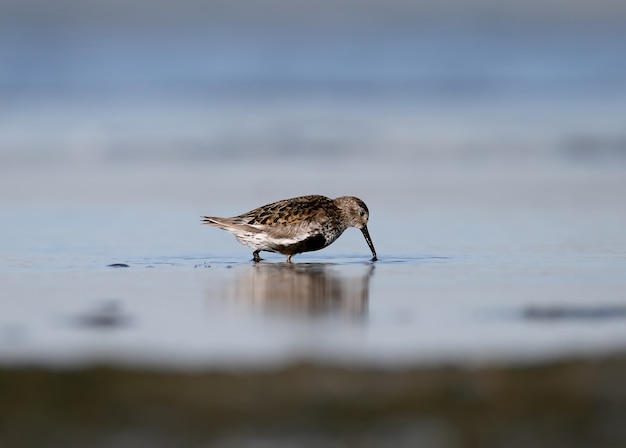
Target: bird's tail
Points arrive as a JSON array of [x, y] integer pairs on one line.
[[211, 221], [233, 225]]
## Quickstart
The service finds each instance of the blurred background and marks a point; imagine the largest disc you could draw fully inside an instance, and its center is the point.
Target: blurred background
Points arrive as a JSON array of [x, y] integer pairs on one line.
[[158, 101]]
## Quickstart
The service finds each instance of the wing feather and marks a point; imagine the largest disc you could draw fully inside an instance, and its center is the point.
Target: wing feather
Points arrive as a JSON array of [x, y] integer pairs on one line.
[[230, 224]]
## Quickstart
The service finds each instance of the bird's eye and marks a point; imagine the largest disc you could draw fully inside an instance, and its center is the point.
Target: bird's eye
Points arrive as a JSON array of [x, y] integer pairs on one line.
[[362, 213]]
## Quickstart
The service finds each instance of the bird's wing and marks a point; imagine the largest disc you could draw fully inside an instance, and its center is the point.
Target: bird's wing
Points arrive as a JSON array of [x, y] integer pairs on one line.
[[299, 230], [287, 219], [288, 212], [293, 221], [230, 224]]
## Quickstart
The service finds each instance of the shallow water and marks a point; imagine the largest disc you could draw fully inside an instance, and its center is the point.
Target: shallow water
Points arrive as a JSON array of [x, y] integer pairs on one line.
[[457, 281], [493, 164]]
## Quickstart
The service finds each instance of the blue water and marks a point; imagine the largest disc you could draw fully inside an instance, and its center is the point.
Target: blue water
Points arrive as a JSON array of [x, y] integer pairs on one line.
[[71, 94], [423, 62], [493, 163]]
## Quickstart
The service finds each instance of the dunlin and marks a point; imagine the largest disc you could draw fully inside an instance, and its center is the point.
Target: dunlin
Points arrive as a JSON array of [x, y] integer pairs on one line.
[[296, 225]]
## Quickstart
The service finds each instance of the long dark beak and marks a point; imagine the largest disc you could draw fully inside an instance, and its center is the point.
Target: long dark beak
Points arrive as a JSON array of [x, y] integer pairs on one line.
[[366, 234]]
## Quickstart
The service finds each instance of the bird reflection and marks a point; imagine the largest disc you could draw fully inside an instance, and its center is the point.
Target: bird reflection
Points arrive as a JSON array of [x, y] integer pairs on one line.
[[311, 289]]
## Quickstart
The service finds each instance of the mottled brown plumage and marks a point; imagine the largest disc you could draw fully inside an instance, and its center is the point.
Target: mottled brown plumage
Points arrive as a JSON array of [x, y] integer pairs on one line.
[[296, 225]]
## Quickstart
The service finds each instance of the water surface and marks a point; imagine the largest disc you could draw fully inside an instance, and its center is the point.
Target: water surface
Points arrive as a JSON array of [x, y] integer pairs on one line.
[[493, 163]]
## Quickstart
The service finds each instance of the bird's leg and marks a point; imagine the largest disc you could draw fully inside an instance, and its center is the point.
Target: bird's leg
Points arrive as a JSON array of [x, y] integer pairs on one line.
[[289, 258], [255, 256]]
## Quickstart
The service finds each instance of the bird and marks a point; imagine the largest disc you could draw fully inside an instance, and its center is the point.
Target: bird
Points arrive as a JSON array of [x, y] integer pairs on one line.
[[296, 225]]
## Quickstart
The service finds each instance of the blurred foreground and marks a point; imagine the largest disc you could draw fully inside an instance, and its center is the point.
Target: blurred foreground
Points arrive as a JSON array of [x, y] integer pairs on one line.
[[577, 404]]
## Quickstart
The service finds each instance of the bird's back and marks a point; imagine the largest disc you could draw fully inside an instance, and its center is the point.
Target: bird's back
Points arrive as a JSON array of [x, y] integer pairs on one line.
[[289, 211]]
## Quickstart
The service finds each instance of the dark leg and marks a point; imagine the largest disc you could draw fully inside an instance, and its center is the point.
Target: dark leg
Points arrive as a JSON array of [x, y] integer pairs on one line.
[[255, 256], [289, 258]]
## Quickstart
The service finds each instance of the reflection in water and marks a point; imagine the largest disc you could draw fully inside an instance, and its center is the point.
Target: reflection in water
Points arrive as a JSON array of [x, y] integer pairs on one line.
[[313, 289]]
